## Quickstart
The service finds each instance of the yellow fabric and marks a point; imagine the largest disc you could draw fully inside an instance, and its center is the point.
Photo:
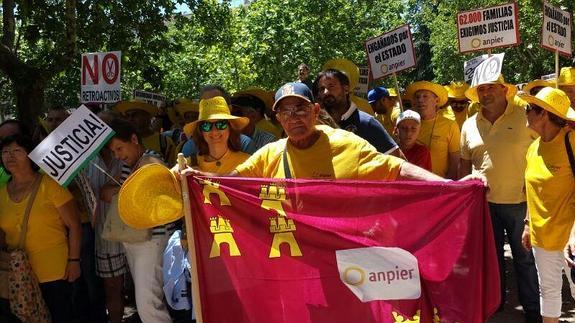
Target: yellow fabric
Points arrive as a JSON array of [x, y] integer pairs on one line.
[[337, 154], [152, 142], [268, 126], [550, 188], [441, 136], [46, 242], [459, 117], [388, 119], [229, 162], [498, 151]]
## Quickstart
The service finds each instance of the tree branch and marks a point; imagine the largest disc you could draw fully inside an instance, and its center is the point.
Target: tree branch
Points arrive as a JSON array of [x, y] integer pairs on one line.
[[70, 49], [8, 23]]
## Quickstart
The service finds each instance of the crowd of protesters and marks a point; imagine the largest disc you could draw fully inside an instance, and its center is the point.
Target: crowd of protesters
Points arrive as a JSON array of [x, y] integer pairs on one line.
[[515, 141]]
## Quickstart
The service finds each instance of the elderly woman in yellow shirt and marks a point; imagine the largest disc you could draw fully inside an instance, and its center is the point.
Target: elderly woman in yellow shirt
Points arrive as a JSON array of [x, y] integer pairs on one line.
[[53, 236], [217, 135], [550, 187]]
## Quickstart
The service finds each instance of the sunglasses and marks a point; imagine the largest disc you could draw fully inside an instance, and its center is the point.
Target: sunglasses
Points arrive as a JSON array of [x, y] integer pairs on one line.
[[207, 126]]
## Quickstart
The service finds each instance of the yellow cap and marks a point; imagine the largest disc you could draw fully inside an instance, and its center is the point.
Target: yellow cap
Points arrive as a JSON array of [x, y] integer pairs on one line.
[[554, 101], [150, 197], [429, 86], [136, 104], [215, 108]]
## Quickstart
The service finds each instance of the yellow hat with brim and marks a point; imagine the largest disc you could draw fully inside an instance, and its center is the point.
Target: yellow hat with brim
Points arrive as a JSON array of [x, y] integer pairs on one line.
[[135, 104], [456, 90], [150, 197], [266, 97], [391, 91], [184, 105], [567, 76], [537, 83], [215, 108], [554, 101], [347, 67], [435, 88], [471, 93]]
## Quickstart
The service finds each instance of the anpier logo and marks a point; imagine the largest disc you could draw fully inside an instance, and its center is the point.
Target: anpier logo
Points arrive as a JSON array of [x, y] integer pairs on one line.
[[379, 273]]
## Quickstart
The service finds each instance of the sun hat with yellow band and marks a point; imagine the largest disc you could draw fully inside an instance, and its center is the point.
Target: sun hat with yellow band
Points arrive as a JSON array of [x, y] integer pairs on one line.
[[554, 101], [150, 197], [215, 108], [537, 83], [471, 93], [136, 104], [567, 76], [456, 90], [184, 105], [347, 67], [435, 88]]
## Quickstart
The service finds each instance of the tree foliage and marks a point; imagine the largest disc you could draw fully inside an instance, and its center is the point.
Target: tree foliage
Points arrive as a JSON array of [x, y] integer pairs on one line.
[[260, 44]]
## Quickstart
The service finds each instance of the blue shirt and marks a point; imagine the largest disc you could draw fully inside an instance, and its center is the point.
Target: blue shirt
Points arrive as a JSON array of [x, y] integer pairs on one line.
[[368, 128]]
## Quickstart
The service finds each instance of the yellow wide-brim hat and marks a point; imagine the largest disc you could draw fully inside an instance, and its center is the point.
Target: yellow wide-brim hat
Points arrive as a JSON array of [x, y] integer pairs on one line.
[[567, 76], [266, 97], [554, 101], [215, 108], [184, 105], [536, 83], [456, 90], [347, 67], [435, 88], [135, 104], [471, 93], [150, 197]]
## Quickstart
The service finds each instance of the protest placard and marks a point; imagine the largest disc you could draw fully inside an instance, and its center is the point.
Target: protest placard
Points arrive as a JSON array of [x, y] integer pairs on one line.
[[489, 70], [70, 146], [152, 98], [556, 30], [391, 52], [470, 65], [488, 28], [100, 81], [363, 83]]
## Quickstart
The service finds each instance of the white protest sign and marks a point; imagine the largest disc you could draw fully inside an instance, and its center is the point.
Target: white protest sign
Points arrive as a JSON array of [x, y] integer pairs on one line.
[[488, 28], [65, 151], [100, 81], [363, 83], [548, 77], [556, 30], [489, 70], [470, 65], [152, 98], [391, 52]]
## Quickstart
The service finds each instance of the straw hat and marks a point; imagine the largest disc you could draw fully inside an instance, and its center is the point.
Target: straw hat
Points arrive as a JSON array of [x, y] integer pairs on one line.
[[216, 108], [184, 105], [536, 83], [266, 97], [150, 197], [347, 67], [136, 104], [567, 76], [471, 93], [456, 90], [554, 101], [429, 86]]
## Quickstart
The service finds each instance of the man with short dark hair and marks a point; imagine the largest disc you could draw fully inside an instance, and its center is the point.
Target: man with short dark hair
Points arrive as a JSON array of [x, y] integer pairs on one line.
[[385, 107], [249, 106], [333, 95]]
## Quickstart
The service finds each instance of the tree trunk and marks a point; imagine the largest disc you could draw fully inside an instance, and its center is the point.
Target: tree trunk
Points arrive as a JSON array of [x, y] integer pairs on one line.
[[29, 89]]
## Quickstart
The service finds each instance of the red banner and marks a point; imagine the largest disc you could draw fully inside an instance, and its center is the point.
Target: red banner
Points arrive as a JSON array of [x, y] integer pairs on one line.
[[343, 251]]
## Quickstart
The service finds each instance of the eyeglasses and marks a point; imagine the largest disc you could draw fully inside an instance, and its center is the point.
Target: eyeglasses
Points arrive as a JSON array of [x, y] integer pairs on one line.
[[207, 126], [298, 111], [13, 152]]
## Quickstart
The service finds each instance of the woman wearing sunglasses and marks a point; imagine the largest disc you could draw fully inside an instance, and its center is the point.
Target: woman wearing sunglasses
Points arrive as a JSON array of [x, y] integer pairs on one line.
[[217, 135]]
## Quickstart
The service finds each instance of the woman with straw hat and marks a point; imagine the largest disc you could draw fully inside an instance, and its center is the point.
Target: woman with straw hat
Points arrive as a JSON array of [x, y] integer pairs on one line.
[[550, 187], [217, 135]]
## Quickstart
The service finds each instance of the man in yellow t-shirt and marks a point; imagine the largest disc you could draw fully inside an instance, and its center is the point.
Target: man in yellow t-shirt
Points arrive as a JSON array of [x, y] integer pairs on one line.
[[439, 134], [320, 152], [494, 143]]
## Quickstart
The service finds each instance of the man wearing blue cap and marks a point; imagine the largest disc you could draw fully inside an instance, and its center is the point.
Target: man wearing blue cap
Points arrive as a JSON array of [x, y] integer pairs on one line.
[[385, 107]]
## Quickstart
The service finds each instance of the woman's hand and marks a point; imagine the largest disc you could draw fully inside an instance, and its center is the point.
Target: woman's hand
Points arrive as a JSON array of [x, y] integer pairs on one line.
[[73, 271]]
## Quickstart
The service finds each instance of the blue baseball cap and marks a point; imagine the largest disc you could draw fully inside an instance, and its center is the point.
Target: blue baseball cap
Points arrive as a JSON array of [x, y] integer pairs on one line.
[[375, 94], [296, 89]]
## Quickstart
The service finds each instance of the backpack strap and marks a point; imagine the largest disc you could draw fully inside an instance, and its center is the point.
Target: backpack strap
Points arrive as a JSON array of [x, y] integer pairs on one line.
[[570, 152]]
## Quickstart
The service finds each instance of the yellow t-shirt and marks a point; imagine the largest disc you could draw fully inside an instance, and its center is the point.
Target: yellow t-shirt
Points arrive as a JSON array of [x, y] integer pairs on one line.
[[268, 126], [46, 240], [388, 120], [550, 187], [169, 152], [441, 136], [228, 162], [498, 150], [337, 154]]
